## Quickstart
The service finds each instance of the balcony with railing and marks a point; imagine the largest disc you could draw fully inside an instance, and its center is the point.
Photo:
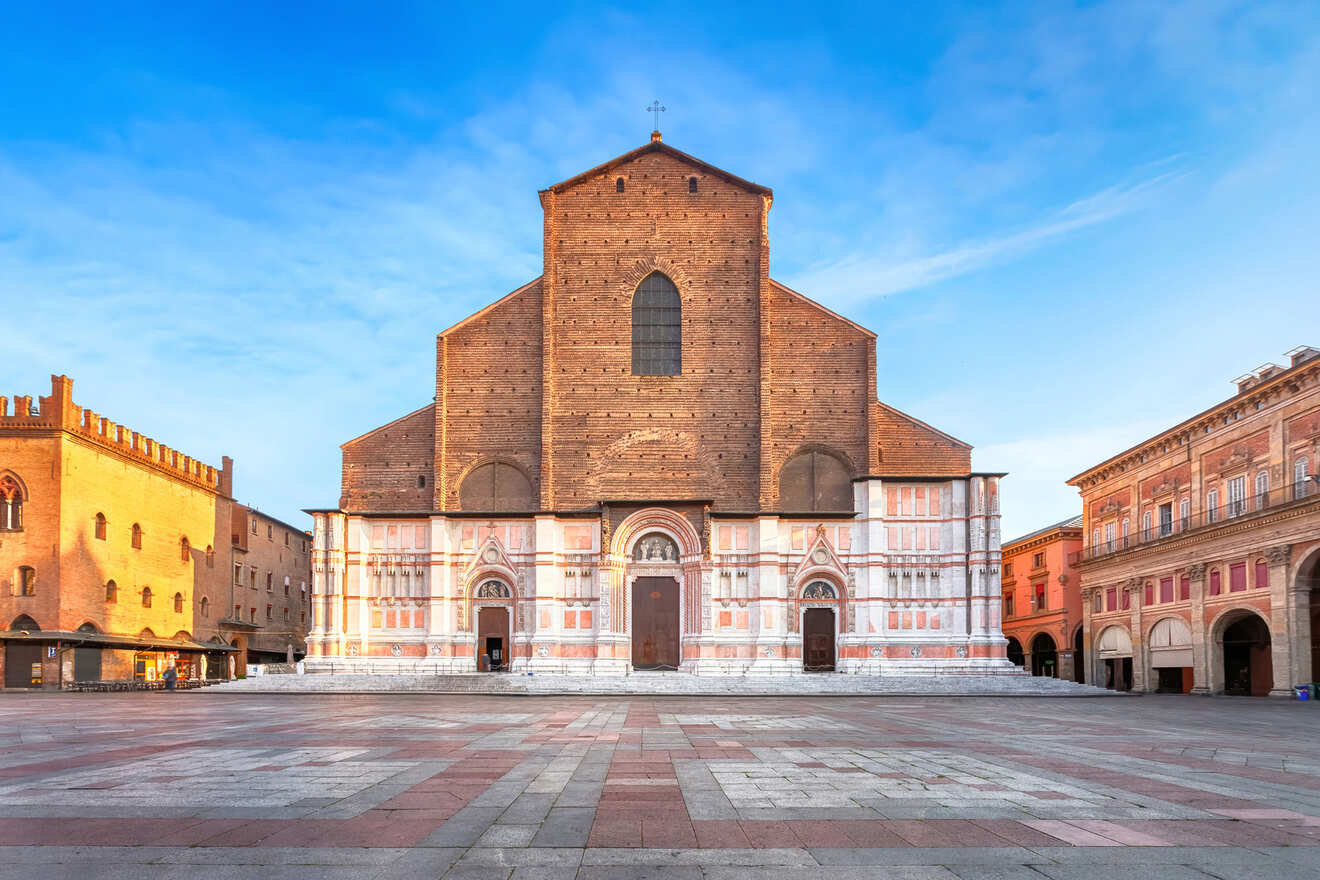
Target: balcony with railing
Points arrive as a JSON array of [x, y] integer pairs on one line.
[[1285, 496]]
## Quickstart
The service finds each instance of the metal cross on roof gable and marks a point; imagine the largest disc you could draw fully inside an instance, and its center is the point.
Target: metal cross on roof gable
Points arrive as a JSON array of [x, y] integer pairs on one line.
[[657, 110]]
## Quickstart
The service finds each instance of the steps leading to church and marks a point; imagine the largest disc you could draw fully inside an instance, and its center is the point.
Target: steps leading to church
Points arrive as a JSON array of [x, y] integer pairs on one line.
[[664, 684]]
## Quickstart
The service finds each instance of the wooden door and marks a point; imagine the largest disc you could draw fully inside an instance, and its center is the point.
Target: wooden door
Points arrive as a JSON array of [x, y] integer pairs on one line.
[[494, 638], [818, 640], [655, 632]]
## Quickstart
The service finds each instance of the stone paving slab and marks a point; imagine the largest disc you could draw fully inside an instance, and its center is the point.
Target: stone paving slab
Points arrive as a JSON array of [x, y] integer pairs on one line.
[[401, 786]]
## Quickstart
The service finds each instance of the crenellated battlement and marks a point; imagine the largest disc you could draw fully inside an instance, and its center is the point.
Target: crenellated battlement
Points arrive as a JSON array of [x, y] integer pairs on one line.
[[59, 412]]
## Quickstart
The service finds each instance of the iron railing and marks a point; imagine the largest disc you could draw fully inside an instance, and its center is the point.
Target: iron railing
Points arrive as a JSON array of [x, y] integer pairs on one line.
[[1255, 503]]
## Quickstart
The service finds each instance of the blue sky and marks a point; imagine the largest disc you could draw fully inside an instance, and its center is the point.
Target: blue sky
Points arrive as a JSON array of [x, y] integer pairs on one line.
[[239, 226]]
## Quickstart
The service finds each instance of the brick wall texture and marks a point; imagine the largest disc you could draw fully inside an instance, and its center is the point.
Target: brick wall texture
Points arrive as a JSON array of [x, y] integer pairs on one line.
[[542, 379]]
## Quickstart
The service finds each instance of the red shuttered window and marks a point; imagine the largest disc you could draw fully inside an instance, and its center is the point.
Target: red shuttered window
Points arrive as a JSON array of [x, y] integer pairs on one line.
[[1166, 589], [1237, 577]]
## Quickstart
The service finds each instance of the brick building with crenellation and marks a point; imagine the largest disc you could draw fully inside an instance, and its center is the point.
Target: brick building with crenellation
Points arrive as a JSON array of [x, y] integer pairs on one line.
[[113, 549]]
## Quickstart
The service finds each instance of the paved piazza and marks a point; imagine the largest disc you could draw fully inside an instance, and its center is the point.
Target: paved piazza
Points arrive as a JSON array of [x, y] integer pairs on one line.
[[198, 785]]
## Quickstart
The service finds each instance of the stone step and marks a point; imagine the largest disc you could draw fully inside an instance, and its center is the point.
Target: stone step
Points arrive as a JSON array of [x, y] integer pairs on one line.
[[665, 683]]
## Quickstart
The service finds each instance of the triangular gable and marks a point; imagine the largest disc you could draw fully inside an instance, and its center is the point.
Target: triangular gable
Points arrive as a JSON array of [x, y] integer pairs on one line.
[[492, 307], [361, 437], [820, 557], [790, 292], [491, 557], [917, 425], [658, 146]]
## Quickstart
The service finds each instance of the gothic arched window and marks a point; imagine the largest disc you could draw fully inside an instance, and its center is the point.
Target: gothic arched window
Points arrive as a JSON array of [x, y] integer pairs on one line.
[[11, 505], [146, 597], [657, 328]]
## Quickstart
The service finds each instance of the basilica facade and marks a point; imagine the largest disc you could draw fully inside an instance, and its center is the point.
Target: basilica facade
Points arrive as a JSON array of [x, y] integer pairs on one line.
[[655, 457]]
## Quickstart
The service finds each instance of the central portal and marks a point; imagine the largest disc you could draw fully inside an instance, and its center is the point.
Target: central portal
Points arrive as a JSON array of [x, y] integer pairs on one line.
[[655, 623]]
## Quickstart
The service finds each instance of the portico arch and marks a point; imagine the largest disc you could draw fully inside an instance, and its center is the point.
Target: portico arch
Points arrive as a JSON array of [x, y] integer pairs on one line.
[[1044, 655], [1306, 620], [1113, 654], [1240, 658], [1169, 655]]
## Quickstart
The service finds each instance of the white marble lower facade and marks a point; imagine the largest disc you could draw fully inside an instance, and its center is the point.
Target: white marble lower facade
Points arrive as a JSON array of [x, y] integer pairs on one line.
[[909, 584]]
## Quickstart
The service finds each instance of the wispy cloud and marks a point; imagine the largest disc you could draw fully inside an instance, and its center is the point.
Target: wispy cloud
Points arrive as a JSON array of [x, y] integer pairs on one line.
[[863, 276]]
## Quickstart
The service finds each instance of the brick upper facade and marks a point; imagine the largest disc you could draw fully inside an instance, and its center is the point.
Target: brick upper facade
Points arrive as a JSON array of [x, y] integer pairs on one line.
[[542, 381]]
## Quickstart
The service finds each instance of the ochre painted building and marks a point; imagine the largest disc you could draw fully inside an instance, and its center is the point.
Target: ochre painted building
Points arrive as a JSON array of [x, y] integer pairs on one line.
[[113, 549], [1043, 602], [1203, 542], [654, 456]]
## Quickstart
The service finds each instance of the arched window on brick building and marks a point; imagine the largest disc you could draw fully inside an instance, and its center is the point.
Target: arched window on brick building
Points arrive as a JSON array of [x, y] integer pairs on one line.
[[815, 480], [210, 556], [206, 607], [657, 328], [27, 581], [100, 527], [146, 597], [185, 549], [11, 504], [178, 603], [111, 592], [137, 536]]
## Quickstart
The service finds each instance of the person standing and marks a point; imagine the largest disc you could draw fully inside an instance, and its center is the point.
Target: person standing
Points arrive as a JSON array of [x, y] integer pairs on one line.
[[171, 676]]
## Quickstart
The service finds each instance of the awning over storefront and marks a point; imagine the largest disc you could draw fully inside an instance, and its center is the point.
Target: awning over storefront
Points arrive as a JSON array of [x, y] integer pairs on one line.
[[105, 640], [1113, 643], [1170, 644]]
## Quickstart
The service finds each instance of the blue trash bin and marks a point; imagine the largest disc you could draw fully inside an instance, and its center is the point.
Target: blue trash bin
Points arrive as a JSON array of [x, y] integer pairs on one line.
[[1303, 691]]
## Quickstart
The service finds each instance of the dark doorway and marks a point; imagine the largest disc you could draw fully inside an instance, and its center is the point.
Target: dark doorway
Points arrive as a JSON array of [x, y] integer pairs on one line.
[[1044, 656], [818, 640], [1248, 667], [1315, 633], [1171, 680], [655, 623], [86, 664], [493, 639], [1079, 658], [1015, 655], [1118, 674], [22, 665]]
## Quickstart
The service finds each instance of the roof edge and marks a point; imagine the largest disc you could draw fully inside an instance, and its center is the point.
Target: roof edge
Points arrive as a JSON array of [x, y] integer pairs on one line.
[[386, 425], [484, 309], [917, 421], [658, 146], [833, 314]]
